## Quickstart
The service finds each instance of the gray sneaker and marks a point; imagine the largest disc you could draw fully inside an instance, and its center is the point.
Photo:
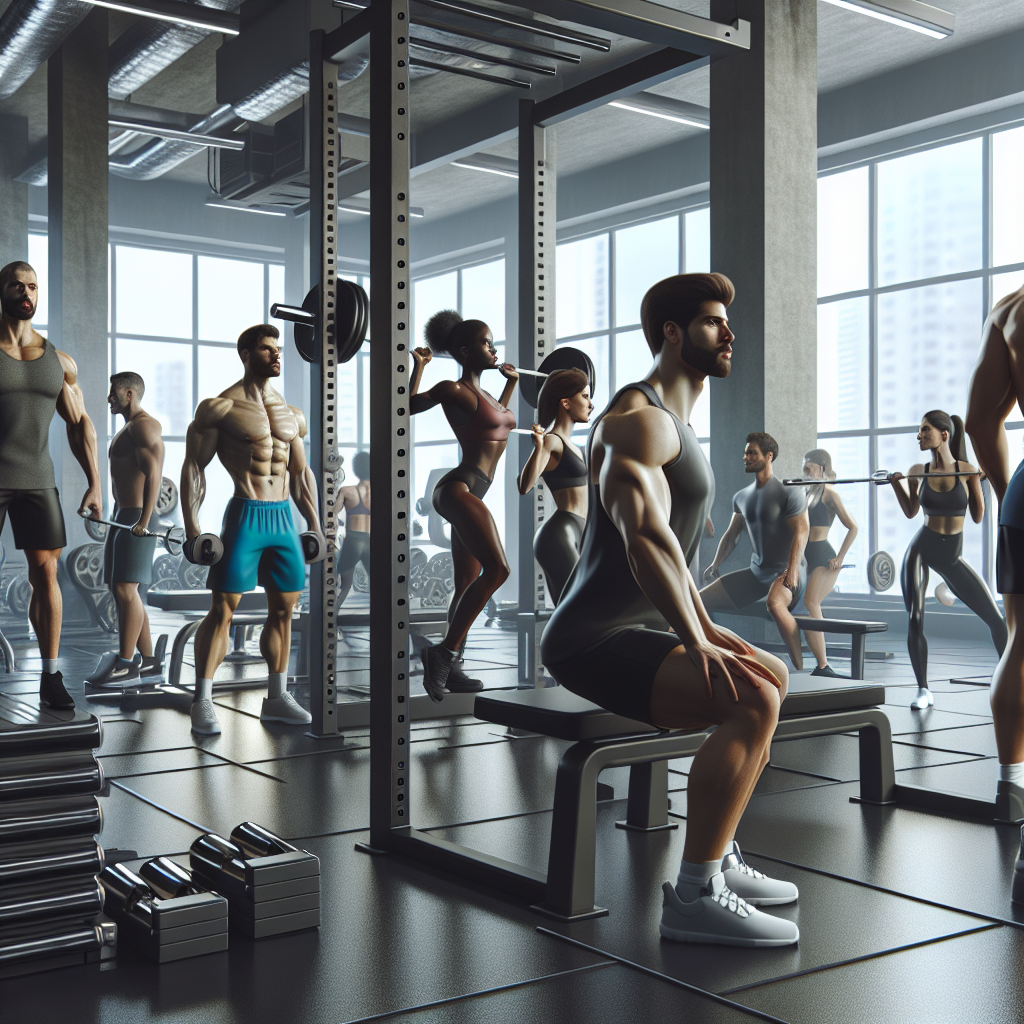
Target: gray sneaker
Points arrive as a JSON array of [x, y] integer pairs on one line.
[[751, 885], [719, 917], [284, 709], [1009, 802], [204, 718]]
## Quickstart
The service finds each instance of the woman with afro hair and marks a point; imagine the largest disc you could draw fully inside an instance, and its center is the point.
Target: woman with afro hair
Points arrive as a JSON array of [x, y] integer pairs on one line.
[[482, 425]]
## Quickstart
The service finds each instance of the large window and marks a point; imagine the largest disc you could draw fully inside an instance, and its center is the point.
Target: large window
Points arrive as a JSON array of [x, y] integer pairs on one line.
[[912, 253]]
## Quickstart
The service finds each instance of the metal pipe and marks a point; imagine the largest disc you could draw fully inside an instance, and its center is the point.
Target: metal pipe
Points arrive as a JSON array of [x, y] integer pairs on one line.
[[487, 37], [518, 83], [487, 58], [881, 476], [162, 132]]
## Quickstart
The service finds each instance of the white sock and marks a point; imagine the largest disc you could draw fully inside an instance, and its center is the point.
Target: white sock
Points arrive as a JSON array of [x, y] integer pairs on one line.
[[278, 684], [49, 664], [693, 877], [454, 654], [1012, 773], [204, 689]]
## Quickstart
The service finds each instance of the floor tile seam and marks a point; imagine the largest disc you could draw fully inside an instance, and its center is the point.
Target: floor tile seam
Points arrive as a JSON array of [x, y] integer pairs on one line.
[[695, 989], [487, 821], [243, 766], [160, 750], [306, 753], [882, 888], [945, 728], [797, 771], [159, 807], [801, 789], [942, 750], [482, 992], [863, 959]]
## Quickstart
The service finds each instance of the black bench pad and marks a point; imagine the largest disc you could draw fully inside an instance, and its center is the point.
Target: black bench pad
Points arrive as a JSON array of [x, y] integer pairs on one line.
[[557, 712], [851, 626]]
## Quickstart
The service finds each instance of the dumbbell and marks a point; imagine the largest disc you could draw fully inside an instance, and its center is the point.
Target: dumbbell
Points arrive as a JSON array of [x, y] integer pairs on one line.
[[205, 549], [314, 546]]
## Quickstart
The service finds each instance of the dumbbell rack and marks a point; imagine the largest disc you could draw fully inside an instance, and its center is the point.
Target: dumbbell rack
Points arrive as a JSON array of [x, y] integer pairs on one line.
[[49, 856]]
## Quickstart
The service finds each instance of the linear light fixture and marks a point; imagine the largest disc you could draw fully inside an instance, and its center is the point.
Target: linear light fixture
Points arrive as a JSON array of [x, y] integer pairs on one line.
[[913, 14], [665, 108], [164, 132], [177, 12], [487, 170], [247, 209]]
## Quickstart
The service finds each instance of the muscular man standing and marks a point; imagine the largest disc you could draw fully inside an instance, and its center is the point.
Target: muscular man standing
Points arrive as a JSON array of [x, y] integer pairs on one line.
[[136, 472], [258, 438], [997, 389], [775, 517], [630, 632], [35, 379]]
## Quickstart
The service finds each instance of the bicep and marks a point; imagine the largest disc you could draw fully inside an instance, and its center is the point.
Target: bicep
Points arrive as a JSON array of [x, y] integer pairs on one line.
[[990, 397], [633, 494], [798, 524]]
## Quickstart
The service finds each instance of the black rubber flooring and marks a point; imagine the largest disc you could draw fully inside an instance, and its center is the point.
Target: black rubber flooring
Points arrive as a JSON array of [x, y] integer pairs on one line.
[[904, 916]]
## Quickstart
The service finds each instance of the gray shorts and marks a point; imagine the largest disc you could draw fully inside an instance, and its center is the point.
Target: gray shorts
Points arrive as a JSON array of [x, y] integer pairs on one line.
[[127, 558], [744, 588]]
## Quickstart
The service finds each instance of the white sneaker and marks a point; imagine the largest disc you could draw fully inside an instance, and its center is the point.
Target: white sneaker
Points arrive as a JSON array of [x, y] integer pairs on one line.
[[923, 700], [284, 709], [751, 885], [204, 718], [720, 917]]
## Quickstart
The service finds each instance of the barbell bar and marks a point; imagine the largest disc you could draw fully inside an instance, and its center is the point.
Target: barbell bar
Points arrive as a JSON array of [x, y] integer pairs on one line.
[[173, 537], [881, 476]]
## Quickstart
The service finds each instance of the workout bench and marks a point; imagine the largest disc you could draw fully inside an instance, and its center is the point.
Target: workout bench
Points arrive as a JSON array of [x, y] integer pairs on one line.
[[813, 707]]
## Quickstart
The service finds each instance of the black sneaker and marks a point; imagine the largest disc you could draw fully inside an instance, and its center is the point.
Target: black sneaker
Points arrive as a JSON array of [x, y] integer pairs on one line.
[[459, 682], [826, 671], [437, 663], [151, 667], [1017, 892], [52, 693]]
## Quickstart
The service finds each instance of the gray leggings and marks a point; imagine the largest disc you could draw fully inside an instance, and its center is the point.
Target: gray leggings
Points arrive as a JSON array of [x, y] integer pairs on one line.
[[941, 552], [557, 548]]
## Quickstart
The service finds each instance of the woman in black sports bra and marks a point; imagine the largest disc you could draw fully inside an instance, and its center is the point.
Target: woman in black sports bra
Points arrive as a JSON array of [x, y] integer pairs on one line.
[[564, 400], [356, 546], [481, 424], [823, 564], [939, 543]]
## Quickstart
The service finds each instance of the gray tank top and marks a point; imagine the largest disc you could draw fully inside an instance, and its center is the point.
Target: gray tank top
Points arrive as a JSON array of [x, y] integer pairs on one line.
[[28, 400], [602, 596]]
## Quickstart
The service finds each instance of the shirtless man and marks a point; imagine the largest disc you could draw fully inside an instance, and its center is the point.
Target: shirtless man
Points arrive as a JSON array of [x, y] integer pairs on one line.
[[775, 517], [258, 439], [997, 389], [35, 379], [631, 634], [136, 472], [356, 546]]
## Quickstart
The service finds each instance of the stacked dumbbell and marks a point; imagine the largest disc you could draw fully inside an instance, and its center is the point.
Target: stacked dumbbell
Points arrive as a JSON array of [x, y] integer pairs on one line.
[[271, 886], [49, 856], [164, 914]]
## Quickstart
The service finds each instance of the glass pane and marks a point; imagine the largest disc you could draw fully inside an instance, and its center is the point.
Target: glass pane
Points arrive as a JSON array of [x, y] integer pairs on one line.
[[1005, 284], [154, 292], [700, 414], [166, 368], [843, 232], [850, 458], [347, 408], [432, 424], [927, 348], [230, 297], [597, 349], [431, 294], [633, 360], [644, 254], [39, 257], [427, 457], [582, 286], [698, 241], [1007, 197], [364, 367], [843, 365], [277, 293], [483, 296], [219, 368], [929, 213], [174, 456]]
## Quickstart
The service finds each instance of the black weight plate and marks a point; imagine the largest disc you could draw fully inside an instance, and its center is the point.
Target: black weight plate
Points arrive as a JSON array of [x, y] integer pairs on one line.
[[305, 335], [347, 321], [96, 530], [19, 593], [353, 340], [167, 499], [565, 357]]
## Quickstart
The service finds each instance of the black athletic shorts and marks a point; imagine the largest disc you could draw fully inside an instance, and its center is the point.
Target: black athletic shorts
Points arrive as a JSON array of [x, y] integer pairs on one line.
[[1010, 561], [127, 558], [744, 588], [36, 518], [818, 554], [619, 673], [472, 477]]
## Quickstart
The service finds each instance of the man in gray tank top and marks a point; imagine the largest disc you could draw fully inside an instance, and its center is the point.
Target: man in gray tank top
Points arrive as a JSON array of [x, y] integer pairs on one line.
[[630, 632], [775, 517], [35, 380]]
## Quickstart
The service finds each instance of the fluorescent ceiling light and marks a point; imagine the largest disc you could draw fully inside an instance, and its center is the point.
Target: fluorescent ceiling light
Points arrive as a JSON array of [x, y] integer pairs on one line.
[[247, 209], [678, 118], [164, 132], [486, 170], [177, 12], [913, 14]]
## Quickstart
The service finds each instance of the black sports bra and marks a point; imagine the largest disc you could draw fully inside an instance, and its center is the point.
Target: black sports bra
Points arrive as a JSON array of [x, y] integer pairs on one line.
[[820, 514], [943, 503], [571, 470]]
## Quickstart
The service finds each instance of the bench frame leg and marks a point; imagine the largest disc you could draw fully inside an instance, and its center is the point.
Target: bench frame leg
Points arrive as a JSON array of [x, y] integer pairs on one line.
[[647, 804]]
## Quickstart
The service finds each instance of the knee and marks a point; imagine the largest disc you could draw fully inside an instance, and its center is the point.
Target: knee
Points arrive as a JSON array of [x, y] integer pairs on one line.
[[813, 607], [124, 592], [219, 616], [43, 574], [497, 573], [279, 617], [760, 708]]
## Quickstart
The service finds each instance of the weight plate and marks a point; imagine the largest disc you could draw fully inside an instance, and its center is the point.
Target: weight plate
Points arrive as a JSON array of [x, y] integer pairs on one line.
[[565, 357], [360, 579], [97, 531], [85, 567], [881, 571], [304, 334], [167, 500], [19, 593], [353, 319], [106, 611], [193, 577]]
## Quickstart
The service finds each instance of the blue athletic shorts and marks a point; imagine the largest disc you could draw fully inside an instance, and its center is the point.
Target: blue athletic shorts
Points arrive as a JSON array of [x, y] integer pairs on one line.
[[261, 545]]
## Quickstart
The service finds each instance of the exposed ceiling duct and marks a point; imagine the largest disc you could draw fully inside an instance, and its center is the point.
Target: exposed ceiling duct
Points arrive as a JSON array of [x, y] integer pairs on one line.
[[30, 31]]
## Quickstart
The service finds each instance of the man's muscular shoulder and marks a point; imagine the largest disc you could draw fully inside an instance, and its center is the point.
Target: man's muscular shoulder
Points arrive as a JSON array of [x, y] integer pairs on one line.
[[637, 430], [211, 411], [69, 366], [300, 418], [145, 431]]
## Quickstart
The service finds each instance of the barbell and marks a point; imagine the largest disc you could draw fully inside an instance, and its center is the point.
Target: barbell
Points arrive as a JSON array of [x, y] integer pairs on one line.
[[172, 538], [351, 320], [880, 476]]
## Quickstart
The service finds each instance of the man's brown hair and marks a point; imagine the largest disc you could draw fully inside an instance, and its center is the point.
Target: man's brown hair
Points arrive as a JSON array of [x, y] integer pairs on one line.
[[679, 299], [7, 273], [252, 336]]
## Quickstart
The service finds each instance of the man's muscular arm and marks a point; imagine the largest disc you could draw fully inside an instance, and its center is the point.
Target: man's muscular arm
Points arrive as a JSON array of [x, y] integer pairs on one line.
[[200, 447], [726, 546], [81, 434], [149, 457], [303, 483], [800, 527]]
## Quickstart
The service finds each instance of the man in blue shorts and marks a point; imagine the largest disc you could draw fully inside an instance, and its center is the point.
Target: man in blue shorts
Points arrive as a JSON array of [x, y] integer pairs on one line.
[[258, 438]]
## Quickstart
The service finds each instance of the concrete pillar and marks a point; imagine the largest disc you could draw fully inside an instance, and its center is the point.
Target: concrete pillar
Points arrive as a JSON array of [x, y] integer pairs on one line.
[[78, 218], [13, 194], [764, 237]]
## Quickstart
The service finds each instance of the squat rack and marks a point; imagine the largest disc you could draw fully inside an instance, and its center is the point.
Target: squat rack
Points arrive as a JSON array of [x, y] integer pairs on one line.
[[383, 30]]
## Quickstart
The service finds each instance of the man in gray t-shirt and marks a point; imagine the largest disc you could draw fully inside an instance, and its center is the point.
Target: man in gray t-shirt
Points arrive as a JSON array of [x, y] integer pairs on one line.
[[775, 517]]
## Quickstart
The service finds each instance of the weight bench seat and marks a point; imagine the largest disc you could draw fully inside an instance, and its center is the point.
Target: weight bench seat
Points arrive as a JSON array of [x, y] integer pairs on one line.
[[813, 707], [856, 629]]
